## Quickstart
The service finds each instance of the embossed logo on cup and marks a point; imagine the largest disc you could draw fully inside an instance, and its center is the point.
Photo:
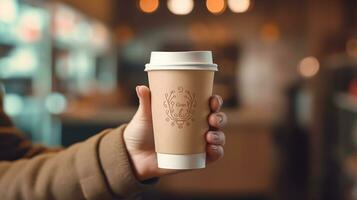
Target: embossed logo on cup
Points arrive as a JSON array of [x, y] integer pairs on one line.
[[179, 107]]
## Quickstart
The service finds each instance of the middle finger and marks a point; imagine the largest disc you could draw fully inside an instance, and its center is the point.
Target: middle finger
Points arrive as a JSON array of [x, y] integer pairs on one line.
[[217, 120]]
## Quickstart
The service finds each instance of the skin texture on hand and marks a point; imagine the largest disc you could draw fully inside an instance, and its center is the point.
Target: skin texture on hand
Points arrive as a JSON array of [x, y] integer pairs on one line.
[[139, 137]]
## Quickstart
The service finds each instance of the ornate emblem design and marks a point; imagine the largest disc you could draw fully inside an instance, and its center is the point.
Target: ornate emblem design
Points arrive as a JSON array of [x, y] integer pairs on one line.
[[179, 107]]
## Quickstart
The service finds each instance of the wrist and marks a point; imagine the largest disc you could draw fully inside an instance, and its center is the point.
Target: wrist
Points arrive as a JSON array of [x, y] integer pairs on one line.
[[141, 168]]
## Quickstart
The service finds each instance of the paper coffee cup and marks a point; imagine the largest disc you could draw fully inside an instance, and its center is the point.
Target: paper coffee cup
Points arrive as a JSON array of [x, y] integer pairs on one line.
[[181, 85]]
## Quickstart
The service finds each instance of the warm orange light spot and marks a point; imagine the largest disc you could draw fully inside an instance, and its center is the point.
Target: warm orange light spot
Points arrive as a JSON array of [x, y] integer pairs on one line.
[[216, 6], [309, 66], [124, 33], [270, 32], [148, 6]]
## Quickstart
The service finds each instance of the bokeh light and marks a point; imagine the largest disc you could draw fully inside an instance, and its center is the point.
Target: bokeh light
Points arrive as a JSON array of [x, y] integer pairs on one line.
[[124, 33], [216, 6], [239, 6], [148, 6], [180, 7], [270, 32], [8, 11], [13, 104], [309, 66], [351, 48], [24, 60], [55, 103]]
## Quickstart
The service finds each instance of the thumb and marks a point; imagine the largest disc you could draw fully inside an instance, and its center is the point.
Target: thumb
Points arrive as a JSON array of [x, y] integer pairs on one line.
[[144, 110]]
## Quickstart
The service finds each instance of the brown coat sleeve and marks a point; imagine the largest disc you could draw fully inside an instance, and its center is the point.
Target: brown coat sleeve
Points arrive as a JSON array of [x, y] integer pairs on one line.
[[97, 168], [13, 144]]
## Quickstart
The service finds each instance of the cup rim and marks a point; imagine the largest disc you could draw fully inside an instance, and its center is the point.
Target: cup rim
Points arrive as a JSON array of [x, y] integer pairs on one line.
[[182, 66]]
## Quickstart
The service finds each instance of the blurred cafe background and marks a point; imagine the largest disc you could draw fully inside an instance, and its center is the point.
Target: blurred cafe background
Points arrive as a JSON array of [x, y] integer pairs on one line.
[[287, 73]]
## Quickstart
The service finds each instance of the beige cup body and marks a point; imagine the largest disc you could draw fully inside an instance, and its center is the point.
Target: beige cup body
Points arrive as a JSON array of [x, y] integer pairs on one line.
[[180, 107]]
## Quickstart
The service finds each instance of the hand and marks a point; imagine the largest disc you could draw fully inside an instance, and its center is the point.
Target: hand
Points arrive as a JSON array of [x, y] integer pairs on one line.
[[139, 137]]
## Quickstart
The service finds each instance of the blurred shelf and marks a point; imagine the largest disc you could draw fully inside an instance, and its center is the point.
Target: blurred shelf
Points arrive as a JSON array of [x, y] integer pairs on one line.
[[340, 60], [347, 102], [5, 49], [9, 42], [94, 116]]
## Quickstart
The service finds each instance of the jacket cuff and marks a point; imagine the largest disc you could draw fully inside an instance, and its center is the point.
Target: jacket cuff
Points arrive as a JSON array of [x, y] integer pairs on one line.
[[116, 165], [91, 178]]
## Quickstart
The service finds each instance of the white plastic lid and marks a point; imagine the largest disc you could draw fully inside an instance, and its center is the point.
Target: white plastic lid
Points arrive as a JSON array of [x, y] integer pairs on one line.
[[185, 60], [187, 161]]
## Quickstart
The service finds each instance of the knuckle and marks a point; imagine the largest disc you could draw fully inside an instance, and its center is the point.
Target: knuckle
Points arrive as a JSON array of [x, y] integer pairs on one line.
[[223, 138], [216, 137], [214, 148]]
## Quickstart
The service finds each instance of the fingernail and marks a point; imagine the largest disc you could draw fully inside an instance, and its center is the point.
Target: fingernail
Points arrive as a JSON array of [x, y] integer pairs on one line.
[[220, 100], [137, 91], [220, 119], [215, 137]]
